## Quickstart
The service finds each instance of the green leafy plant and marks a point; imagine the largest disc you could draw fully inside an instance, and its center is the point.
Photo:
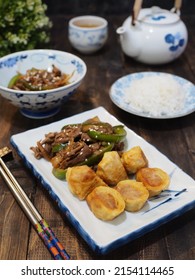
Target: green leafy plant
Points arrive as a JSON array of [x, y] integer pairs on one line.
[[23, 25]]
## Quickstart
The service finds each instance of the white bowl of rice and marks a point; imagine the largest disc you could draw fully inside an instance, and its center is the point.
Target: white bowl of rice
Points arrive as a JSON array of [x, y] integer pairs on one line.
[[154, 95]]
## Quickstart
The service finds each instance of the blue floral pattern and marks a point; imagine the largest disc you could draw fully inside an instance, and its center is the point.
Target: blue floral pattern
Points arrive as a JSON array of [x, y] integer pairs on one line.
[[78, 66], [10, 62], [87, 39], [175, 41], [158, 18]]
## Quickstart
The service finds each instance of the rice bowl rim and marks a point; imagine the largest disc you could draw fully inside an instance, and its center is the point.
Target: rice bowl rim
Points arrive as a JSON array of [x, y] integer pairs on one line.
[[46, 51]]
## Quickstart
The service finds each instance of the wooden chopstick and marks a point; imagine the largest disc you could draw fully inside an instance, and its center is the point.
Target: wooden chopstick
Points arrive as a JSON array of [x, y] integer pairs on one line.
[[45, 232]]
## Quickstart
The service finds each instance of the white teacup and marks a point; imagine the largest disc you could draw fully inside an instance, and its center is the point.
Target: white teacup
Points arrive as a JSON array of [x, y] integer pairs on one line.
[[88, 33]]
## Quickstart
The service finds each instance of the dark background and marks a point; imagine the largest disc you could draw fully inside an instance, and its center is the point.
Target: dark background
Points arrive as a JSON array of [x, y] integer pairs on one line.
[[109, 7]]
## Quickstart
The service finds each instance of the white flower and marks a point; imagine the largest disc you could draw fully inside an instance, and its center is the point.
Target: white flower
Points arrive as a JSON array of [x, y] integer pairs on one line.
[[23, 24]]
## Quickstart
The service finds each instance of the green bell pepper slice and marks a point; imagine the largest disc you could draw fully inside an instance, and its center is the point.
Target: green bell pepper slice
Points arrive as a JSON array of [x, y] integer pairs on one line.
[[14, 80], [70, 125], [96, 157], [94, 126], [31, 87], [119, 133], [58, 147], [90, 161], [59, 173]]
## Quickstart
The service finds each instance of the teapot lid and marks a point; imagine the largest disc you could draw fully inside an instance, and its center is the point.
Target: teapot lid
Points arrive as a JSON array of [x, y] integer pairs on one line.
[[156, 15]]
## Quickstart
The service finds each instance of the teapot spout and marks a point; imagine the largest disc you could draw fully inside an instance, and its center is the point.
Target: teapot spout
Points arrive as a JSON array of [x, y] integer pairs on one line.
[[120, 30], [129, 40]]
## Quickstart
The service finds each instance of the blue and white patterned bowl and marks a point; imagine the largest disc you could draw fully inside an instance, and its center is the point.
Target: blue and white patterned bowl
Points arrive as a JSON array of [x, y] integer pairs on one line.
[[46, 103], [88, 33]]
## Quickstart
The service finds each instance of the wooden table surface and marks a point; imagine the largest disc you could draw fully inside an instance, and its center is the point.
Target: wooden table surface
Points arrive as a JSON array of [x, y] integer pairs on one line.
[[175, 138]]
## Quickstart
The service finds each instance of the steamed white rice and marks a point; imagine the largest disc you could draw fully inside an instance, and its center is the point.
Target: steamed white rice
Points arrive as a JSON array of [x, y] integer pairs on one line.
[[155, 95]]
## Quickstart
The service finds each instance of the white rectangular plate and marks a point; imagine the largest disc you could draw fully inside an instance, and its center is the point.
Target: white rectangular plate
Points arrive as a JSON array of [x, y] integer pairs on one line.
[[102, 236]]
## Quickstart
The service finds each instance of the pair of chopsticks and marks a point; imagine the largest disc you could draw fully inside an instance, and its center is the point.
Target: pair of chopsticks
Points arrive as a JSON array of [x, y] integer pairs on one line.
[[44, 231]]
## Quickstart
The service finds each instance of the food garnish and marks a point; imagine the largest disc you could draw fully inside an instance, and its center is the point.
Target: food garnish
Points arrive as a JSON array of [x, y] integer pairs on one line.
[[39, 79]]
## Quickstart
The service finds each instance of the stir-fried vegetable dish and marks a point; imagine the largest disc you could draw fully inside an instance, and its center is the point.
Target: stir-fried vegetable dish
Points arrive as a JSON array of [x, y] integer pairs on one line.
[[38, 79], [79, 144]]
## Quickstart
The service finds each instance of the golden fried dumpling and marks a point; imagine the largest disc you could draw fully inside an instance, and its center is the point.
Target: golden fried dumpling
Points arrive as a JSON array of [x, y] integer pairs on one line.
[[82, 180], [134, 159], [154, 179], [106, 203], [134, 194], [111, 169]]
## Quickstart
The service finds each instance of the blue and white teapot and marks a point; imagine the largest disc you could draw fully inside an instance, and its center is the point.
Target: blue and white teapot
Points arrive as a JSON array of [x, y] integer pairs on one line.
[[154, 35]]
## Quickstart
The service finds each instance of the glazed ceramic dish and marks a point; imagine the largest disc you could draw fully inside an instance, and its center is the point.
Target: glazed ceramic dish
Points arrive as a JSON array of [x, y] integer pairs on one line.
[[128, 226], [157, 36], [88, 33], [45, 103], [119, 87]]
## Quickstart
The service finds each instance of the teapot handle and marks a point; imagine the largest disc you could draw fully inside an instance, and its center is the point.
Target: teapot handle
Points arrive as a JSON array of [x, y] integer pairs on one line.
[[136, 9], [138, 4], [177, 6]]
